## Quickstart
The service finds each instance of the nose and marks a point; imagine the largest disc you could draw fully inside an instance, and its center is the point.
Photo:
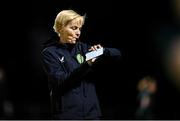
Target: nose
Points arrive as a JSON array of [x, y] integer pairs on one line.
[[78, 32]]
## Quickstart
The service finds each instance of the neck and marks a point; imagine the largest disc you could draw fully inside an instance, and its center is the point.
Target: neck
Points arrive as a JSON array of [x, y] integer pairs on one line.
[[61, 40]]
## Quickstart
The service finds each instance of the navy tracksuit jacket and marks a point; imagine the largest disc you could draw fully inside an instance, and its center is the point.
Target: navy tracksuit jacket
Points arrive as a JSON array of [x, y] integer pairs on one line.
[[73, 95]]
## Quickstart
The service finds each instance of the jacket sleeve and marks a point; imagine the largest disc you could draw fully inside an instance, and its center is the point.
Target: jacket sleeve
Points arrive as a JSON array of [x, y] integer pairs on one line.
[[110, 55], [58, 75], [112, 52]]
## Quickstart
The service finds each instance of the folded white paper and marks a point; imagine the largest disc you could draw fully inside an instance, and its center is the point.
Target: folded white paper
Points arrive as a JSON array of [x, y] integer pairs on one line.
[[94, 54]]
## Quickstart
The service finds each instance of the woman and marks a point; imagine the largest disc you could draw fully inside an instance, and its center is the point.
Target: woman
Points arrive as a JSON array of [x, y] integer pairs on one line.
[[73, 95]]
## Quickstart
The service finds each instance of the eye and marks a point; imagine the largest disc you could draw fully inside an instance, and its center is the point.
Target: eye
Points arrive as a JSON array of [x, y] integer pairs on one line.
[[74, 27]]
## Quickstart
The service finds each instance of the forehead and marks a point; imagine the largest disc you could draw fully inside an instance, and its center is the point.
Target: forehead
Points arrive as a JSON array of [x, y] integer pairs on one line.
[[76, 22]]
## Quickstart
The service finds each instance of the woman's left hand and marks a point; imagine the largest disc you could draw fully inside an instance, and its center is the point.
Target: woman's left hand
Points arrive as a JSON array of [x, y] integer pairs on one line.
[[95, 47]]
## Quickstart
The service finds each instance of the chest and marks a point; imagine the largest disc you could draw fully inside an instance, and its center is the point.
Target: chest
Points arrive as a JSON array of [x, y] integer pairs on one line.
[[71, 59]]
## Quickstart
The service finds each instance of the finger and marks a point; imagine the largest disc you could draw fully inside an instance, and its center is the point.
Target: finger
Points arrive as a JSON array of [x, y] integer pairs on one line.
[[93, 60], [93, 48], [99, 46]]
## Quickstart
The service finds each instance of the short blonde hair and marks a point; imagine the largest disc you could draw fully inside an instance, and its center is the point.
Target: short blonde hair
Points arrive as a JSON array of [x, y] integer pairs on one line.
[[64, 17]]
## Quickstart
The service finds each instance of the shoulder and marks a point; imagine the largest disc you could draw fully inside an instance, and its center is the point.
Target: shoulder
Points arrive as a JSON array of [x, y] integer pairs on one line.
[[49, 49], [52, 51], [50, 43]]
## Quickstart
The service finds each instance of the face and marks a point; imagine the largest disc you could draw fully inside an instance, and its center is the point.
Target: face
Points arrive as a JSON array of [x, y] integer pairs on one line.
[[71, 32]]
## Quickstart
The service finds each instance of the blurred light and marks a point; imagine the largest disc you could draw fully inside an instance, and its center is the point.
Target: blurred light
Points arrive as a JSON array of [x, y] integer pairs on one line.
[[172, 61], [8, 108], [176, 7], [1, 75]]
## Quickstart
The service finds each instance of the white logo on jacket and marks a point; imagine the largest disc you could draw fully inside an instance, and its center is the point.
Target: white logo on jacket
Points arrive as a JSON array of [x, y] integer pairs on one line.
[[61, 59]]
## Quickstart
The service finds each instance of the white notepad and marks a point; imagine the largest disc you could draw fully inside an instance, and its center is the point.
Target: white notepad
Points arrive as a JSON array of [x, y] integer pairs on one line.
[[94, 54]]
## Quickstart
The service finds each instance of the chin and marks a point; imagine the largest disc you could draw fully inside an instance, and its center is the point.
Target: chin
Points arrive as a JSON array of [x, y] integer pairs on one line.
[[73, 41]]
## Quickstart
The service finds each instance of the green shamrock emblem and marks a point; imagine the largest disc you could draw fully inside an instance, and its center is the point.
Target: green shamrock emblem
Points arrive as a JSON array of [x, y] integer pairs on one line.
[[80, 58]]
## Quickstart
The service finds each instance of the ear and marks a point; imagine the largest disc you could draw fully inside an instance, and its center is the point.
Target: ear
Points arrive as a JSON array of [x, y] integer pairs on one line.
[[60, 30]]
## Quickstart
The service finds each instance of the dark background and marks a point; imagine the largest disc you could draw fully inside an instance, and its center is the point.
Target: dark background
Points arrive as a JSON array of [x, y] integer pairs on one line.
[[140, 29]]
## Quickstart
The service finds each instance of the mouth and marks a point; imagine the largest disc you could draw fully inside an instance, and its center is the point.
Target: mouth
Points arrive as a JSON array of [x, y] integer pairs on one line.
[[74, 40]]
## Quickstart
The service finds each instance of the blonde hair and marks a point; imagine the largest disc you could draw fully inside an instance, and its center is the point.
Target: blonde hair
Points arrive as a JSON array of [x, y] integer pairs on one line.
[[64, 17]]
